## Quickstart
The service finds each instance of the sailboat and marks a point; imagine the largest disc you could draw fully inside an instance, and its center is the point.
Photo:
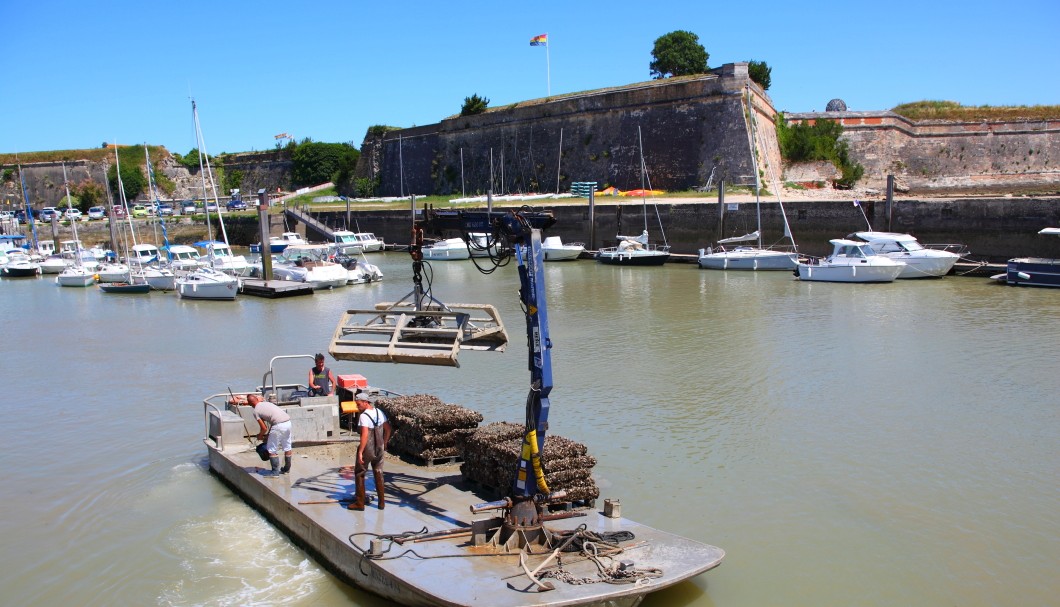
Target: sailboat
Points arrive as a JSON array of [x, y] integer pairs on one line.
[[76, 274], [206, 282], [146, 259], [637, 250], [745, 257], [20, 262], [116, 272]]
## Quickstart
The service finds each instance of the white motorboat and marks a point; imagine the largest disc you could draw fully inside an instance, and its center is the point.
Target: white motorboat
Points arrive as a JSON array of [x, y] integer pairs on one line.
[[310, 263], [221, 257], [555, 250], [369, 242], [450, 249], [277, 244], [183, 258], [143, 255], [19, 265], [345, 243], [359, 272], [850, 261], [482, 245], [920, 261], [53, 264], [159, 278], [207, 283], [112, 272]]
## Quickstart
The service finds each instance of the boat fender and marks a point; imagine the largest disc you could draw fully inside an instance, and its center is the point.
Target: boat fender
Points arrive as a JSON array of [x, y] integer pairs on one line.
[[796, 271]]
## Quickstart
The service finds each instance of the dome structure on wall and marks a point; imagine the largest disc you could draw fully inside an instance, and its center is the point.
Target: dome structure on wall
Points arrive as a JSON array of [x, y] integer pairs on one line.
[[836, 105]]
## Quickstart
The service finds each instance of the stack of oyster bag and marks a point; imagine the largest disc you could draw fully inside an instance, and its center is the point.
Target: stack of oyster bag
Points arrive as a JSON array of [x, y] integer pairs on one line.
[[427, 428], [491, 456]]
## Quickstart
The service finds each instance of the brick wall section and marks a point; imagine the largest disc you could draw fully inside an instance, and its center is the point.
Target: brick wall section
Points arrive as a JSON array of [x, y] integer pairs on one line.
[[688, 126], [946, 158]]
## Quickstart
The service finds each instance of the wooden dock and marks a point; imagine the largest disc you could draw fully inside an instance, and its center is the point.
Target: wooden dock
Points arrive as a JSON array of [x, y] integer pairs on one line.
[[274, 289]]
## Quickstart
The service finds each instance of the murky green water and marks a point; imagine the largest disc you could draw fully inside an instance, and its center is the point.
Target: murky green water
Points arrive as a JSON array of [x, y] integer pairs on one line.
[[845, 444]]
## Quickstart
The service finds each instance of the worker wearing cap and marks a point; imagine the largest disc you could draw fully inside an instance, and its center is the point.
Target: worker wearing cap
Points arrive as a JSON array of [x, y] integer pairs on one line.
[[278, 431], [375, 434]]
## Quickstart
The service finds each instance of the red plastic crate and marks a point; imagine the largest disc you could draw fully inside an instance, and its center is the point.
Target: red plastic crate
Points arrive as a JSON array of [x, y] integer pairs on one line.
[[352, 381]]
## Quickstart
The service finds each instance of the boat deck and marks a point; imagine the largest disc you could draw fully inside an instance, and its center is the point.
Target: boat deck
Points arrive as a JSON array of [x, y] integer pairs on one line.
[[444, 571]]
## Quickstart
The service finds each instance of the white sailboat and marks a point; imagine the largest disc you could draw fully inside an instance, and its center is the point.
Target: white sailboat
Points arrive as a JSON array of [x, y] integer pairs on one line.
[[208, 282], [146, 260], [76, 274], [637, 250], [746, 257]]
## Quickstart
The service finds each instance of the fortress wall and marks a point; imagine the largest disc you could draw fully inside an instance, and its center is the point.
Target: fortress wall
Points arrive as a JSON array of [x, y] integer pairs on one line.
[[948, 158]]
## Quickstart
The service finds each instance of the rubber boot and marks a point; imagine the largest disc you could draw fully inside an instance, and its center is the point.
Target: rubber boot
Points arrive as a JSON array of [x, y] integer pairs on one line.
[[274, 460], [358, 504], [287, 462], [379, 488]]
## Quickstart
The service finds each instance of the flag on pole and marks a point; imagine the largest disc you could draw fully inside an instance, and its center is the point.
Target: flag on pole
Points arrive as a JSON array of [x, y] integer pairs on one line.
[[539, 40], [857, 203]]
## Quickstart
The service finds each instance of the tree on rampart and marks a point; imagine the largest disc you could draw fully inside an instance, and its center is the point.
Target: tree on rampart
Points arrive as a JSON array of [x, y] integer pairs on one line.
[[760, 73], [806, 141], [474, 105], [315, 163], [678, 53]]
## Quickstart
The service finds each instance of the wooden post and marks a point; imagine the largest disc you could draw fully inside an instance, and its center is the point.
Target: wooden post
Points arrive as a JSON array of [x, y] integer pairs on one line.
[[263, 223], [890, 199]]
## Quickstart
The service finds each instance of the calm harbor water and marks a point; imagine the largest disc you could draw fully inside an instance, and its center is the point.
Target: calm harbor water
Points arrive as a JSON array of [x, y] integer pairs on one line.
[[845, 444]]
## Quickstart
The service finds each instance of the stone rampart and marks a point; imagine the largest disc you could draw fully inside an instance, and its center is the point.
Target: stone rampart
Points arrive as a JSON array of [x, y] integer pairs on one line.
[[689, 126], [951, 158]]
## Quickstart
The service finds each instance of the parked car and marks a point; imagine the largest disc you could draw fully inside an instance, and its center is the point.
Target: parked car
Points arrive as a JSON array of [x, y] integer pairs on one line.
[[139, 211], [211, 206], [187, 207], [97, 213], [119, 211], [20, 215], [49, 213], [165, 209], [236, 205]]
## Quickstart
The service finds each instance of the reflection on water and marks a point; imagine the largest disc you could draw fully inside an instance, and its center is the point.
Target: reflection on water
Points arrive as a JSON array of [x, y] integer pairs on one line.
[[846, 444]]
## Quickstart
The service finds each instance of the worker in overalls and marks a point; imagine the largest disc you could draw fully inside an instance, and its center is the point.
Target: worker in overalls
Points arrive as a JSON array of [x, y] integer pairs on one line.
[[375, 434]]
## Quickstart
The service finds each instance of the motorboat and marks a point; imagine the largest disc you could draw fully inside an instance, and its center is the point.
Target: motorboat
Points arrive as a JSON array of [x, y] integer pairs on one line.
[[358, 270], [184, 258], [53, 264], [555, 250], [850, 261], [112, 271], [157, 277], [482, 244], [345, 242], [143, 255], [634, 251], [19, 265], [1033, 271], [207, 283], [920, 261], [369, 242], [277, 244], [310, 263], [450, 249], [221, 257]]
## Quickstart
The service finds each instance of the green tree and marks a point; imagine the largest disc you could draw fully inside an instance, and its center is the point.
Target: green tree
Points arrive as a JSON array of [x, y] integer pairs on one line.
[[760, 73], [678, 53], [805, 142], [132, 174], [90, 193], [474, 105], [315, 163]]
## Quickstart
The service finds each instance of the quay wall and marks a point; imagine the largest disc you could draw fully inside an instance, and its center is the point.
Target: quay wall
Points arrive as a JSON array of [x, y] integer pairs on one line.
[[994, 229]]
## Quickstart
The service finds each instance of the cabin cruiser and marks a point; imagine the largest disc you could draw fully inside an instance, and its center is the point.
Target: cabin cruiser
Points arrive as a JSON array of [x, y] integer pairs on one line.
[[920, 261], [369, 242], [446, 250], [345, 243], [311, 264], [1033, 271], [850, 261], [19, 265], [207, 283], [183, 258], [277, 244], [555, 250], [222, 258]]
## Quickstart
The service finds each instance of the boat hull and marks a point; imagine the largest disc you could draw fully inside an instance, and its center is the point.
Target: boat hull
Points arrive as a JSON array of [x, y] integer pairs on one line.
[[21, 270], [928, 266], [211, 285], [1033, 272], [632, 258], [754, 260], [72, 278], [124, 287], [446, 253], [563, 253], [826, 272]]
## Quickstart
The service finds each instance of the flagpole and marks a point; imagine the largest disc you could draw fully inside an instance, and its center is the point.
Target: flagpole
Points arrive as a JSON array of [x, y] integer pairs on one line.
[[548, 66]]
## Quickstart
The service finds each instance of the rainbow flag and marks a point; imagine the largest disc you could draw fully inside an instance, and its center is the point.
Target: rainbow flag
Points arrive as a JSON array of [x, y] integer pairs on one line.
[[540, 40]]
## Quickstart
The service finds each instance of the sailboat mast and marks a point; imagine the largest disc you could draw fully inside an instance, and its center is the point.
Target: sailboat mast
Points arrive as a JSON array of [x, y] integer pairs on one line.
[[124, 200], [754, 163], [73, 223], [213, 185], [202, 175], [643, 170], [29, 209]]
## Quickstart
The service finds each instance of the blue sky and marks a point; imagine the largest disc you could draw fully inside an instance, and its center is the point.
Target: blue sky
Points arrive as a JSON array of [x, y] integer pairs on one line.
[[76, 74]]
